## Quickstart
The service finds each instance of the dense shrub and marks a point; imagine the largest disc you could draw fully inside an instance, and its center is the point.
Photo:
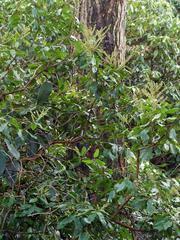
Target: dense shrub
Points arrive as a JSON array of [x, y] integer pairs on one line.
[[152, 35], [82, 154]]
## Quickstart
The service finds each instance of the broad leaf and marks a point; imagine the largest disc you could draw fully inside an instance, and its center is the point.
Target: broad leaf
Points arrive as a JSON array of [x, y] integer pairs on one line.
[[146, 154], [15, 153], [65, 221], [96, 154], [172, 134], [3, 159], [44, 92]]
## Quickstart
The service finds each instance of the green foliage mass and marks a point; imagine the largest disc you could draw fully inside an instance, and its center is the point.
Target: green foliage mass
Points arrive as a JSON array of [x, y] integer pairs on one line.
[[153, 40], [83, 154]]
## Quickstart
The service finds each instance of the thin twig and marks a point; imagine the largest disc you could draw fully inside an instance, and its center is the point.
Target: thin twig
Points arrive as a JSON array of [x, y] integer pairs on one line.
[[8, 68], [128, 198], [138, 166], [41, 150], [130, 228]]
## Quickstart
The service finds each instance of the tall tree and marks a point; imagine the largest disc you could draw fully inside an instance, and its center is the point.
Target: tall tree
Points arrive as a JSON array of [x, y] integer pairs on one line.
[[110, 14]]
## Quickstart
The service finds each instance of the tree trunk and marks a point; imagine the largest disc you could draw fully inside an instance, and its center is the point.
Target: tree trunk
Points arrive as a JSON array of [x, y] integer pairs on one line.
[[110, 14]]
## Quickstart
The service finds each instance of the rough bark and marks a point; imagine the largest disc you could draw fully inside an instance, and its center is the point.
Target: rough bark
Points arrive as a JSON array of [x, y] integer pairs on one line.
[[110, 14]]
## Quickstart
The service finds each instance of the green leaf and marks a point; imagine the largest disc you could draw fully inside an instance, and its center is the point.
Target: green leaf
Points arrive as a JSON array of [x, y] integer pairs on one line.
[[157, 116], [15, 153], [77, 226], [173, 135], [28, 209], [3, 127], [150, 208], [173, 149], [83, 151], [120, 187], [34, 12], [111, 196], [15, 123], [33, 126], [162, 223], [102, 218], [44, 92], [84, 236], [3, 159], [88, 161], [146, 154], [65, 221], [144, 135], [139, 203], [96, 153], [129, 185], [166, 147], [90, 218], [130, 154], [100, 163]]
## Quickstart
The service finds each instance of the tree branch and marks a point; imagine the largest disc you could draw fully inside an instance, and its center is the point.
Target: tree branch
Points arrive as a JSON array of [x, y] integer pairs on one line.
[[132, 229], [128, 198]]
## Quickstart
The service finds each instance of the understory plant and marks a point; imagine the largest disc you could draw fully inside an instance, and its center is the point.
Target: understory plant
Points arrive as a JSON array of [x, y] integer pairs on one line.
[[152, 41], [83, 154]]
